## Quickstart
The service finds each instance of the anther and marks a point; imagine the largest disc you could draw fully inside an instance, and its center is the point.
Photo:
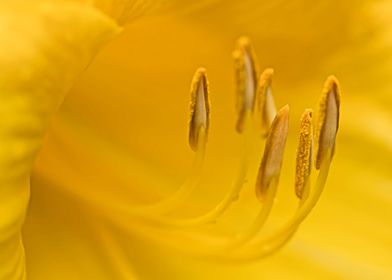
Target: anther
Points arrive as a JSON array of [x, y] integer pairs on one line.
[[328, 120], [271, 163], [159, 220], [246, 79], [200, 108], [265, 100], [304, 155]]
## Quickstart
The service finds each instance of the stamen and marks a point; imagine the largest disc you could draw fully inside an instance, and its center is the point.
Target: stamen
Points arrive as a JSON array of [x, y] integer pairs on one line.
[[198, 129], [230, 197], [246, 79], [176, 199], [265, 101], [258, 223], [272, 242], [200, 108], [154, 222], [328, 120], [304, 155], [273, 153]]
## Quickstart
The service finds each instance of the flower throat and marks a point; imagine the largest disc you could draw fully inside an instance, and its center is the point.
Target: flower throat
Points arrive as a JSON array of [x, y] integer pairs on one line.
[[257, 120]]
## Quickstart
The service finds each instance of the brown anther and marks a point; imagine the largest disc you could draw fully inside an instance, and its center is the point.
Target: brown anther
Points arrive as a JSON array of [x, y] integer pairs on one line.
[[199, 108], [328, 120], [246, 79], [265, 100], [271, 163]]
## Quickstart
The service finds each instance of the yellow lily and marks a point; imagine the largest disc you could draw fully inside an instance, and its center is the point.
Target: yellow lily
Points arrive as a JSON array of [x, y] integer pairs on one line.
[[118, 141]]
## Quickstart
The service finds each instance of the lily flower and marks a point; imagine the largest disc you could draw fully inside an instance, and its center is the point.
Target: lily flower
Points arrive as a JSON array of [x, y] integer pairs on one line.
[[106, 172]]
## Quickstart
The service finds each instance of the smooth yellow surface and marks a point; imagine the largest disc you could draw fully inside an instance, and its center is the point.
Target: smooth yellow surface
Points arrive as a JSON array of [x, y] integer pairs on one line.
[[121, 134], [44, 47]]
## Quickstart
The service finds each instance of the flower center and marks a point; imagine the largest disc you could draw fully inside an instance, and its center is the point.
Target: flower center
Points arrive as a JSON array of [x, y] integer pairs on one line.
[[257, 120]]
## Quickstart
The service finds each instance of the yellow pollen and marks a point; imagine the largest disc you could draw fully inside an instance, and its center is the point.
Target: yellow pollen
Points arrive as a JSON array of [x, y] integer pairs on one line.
[[273, 153], [200, 108], [328, 120], [165, 221], [304, 155], [246, 79], [265, 101]]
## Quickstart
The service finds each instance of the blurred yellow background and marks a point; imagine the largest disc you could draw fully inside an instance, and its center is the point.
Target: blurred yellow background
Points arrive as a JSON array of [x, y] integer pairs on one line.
[[121, 135]]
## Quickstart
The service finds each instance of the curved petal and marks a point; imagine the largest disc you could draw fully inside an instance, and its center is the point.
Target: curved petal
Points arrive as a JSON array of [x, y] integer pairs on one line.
[[124, 11], [123, 150], [44, 48]]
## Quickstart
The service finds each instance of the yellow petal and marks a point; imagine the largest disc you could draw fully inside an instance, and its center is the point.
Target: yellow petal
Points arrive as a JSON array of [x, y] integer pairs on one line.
[[124, 11], [44, 47], [109, 149]]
